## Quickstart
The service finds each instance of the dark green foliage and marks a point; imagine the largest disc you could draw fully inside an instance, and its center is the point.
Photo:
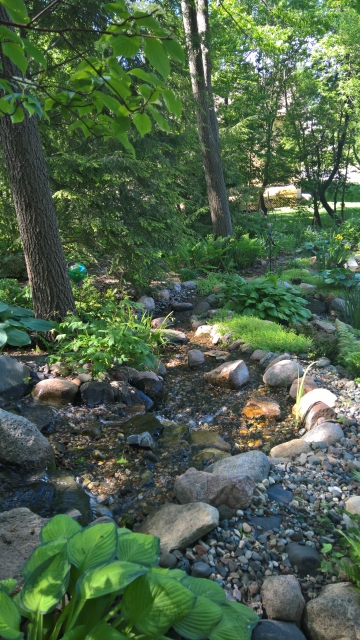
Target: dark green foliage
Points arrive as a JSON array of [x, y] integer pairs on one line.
[[12, 266], [352, 305], [349, 348], [323, 344], [106, 584], [15, 322]]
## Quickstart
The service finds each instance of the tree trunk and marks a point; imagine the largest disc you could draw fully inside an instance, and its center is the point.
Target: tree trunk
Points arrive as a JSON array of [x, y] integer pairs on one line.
[[196, 32], [25, 161], [338, 156], [263, 206], [316, 219]]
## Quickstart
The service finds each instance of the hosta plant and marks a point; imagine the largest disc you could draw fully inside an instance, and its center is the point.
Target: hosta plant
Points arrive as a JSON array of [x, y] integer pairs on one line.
[[104, 583], [15, 322]]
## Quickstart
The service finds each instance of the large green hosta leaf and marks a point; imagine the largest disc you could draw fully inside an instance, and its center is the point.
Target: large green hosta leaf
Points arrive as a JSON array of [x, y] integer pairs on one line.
[[203, 617], [9, 618], [17, 338], [108, 578], [43, 553], [60, 526], [46, 585], [138, 547], [206, 588], [103, 631], [237, 623], [93, 545]]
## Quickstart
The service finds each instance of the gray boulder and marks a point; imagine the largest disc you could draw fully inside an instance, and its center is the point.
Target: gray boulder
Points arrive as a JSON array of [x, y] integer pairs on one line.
[[338, 305], [231, 375], [195, 358], [305, 559], [282, 598], [13, 378], [22, 443], [178, 526], [334, 614], [272, 359], [325, 326], [201, 307], [252, 463], [19, 536], [199, 486], [276, 630], [96, 392], [329, 432], [148, 302], [56, 391], [282, 374], [291, 449], [175, 337]]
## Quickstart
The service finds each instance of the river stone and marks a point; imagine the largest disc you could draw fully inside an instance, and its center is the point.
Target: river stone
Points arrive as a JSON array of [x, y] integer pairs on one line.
[[195, 358], [317, 411], [203, 329], [163, 321], [139, 424], [276, 630], [316, 395], [163, 295], [252, 463], [258, 355], [182, 306], [231, 375], [329, 432], [148, 302], [175, 337], [291, 449], [200, 486], [189, 284], [308, 385], [23, 444], [42, 416], [201, 307], [262, 407], [306, 559], [274, 360], [207, 456], [13, 378], [282, 374], [334, 614], [179, 526], [56, 391], [149, 383], [19, 536], [306, 288], [201, 570], [282, 598], [324, 326], [316, 306], [208, 439], [97, 392], [338, 305]]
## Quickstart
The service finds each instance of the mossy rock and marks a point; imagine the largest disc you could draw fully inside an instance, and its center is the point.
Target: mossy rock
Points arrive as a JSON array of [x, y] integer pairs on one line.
[[208, 455], [174, 436], [207, 440], [140, 423]]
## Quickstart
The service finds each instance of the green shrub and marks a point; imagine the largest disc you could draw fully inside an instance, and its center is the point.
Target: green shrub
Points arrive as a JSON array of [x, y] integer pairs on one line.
[[262, 335], [15, 322], [104, 583], [265, 298], [349, 348], [351, 229], [352, 301], [12, 266], [297, 273], [322, 344], [10, 290], [205, 286]]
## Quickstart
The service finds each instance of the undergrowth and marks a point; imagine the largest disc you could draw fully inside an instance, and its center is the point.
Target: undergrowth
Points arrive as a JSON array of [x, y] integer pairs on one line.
[[349, 348]]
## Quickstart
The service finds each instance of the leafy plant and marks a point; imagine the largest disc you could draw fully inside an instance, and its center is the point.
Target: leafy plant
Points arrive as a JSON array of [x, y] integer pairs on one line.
[[11, 292], [352, 306], [349, 348], [262, 335], [15, 322], [331, 250], [338, 276], [265, 298], [103, 582], [300, 393]]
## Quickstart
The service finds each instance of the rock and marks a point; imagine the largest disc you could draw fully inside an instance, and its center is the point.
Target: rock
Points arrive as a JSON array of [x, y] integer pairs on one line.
[[352, 264], [178, 526], [291, 449], [316, 306], [203, 329], [60, 369], [274, 360], [282, 374], [189, 284], [182, 306], [156, 323], [317, 411], [201, 308], [352, 505], [306, 288], [306, 559], [176, 337], [163, 295], [149, 383], [14, 378], [329, 432], [314, 396], [325, 326], [148, 302], [276, 630], [282, 598], [258, 355], [232, 375], [200, 486], [83, 377], [96, 392], [207, 439], [205, 457], [201, 570], [139, 424], [175, 286], [142, 440], [334, 614], [252, 463], [338, 305], [22, 443], [280, 495], [168, 561], [323, 362], [234, 346], [308, 385], [56, 391], [19, 536], [260, 406], [195, 358], [42, 416]]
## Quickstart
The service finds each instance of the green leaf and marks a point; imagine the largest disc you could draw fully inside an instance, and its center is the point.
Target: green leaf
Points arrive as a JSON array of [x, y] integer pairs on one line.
[[115, 7], [93, 545], [108, 578], [121, 125], [151, 78], [16, 53], [5, 106], [3, 337], [103, 631], [153, 603], [157, 56], [238, 621], [9, 618], [43, 553], [18, 116], [17, 338], [173, 104], [35, 324], [122, 137], [16, 10], [46, 585], [118, 88], [4, 307], [175, 50], [203, 617], [159, 119], [34, 52], [8, 585], [126, 46], [138, 547], [9, 34], [206, 588], [78, 633], [19, 311], [142, 122], [110, 102]]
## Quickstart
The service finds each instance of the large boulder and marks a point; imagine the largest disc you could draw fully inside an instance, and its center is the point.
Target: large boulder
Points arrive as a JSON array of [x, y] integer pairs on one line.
[[252, 463], [56, 391], [97, 392], [282, 374], [231, 375], [14, 378], [178, 526], [291, 449], [329, 432], [22, 443], [276, 630], [272, 359], [41, 415], [19, 536], [334, 614], [200, 486], [282, 598]]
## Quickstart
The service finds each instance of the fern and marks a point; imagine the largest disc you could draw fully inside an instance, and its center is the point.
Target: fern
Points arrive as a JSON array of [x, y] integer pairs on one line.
[[349, 348]]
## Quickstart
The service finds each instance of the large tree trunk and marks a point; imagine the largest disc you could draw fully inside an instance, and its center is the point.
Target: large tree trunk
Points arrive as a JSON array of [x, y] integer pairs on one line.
[[35, 211], [337, 159], [196, 31]]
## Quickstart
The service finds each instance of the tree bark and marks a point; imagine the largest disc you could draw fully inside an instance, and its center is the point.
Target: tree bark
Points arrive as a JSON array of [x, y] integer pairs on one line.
[[25, 161], [196, 26], [338, 156]]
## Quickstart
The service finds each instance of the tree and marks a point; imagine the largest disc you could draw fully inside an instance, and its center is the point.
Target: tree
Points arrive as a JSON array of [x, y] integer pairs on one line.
[[101, 98], [196, 26]]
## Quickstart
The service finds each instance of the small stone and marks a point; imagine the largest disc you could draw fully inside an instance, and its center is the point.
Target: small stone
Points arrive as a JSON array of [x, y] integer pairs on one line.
[[182, 306], [167, 561], [232, 375], [282, 374], [246, 527], [195, 358], [306, 559], [201, 570], [258, 355], [148, 302], [163, 295], [189, 284], [291, 449], [175, 337], [323, 362], [329, 432]]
